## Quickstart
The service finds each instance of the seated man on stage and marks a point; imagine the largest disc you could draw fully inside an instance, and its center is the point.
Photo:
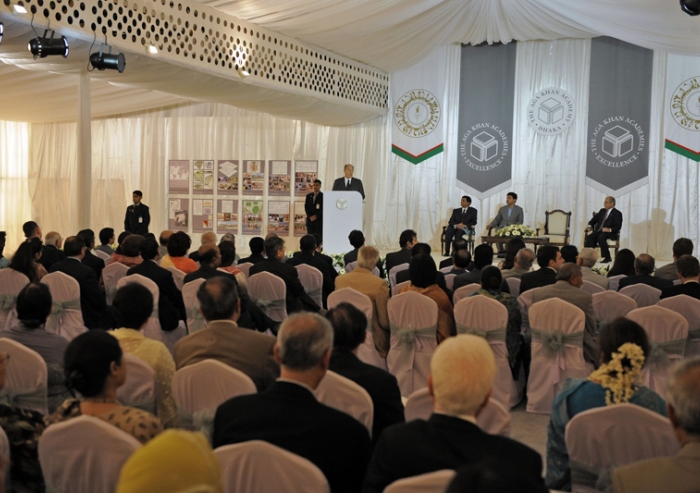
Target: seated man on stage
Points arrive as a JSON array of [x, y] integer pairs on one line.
[[605, 225], [507, 215], [462, 221]]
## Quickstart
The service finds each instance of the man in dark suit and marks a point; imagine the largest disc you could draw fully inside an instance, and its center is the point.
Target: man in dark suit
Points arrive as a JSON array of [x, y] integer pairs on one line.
[[483, 257], [313, 206], [462, 221], [348, 182], [297, 299], [137, 217], [643, 268], [171, 308], [357, 240], [604, 226], [308, 256], [323, 256], [549, 259], [407, 239], [90, 259], [405, 275], [288, 415], [462, 373], [461, 259], [51, 251], [349, 328], [689, 274], [682, 246], [92, 298], [257, 246], [457, 244]]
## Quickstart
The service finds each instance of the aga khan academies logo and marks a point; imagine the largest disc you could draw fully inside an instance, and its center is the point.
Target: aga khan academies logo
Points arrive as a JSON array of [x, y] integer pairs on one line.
[[617, 141], [484, 146], [551, 111]]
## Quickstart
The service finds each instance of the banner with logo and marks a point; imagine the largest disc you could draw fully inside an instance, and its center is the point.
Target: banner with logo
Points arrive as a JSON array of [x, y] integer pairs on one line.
[[619, 107], [682, 132], [417, 97], [486, 96]]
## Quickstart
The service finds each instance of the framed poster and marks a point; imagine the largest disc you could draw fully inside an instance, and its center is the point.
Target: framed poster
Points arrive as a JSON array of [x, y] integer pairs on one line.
[[178, 176], [253, 177], [227, 216], [227, 177], [178, 214], [305, 172], [252, 217], [299, 219], [278, 217], [279, 178], [202, 215], [203, 177]]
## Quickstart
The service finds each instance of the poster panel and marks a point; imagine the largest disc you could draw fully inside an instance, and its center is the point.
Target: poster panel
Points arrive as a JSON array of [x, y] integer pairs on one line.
[[252, 217], [279, 178], [227, 177], [253, 177], [227, 216], [178, 214], [178, 176], [305, 172], [202, 177]]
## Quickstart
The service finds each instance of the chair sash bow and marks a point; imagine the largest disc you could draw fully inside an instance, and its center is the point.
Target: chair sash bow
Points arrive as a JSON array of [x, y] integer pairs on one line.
[[409, 338], [660, 352], [202, 421], [591, 477], [36, 399], [198, 322], [498, 335], [553, 343], [7, 301], [58, 307]]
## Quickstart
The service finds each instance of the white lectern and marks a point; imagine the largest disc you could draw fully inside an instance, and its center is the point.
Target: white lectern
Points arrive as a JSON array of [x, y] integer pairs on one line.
[[342, 212]]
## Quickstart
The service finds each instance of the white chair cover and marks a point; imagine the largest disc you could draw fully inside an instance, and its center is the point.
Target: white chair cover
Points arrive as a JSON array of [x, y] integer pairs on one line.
[[419, 405], [346, 396], [111, 276], [614, 282], [27, 378], [450, 281], [690, 309], [557, 351], [397, 289], [351, 266], [195, 319], [269, 292], [485, 317], [668, 333], [66, 317], [106, 257], [610, 305], [465, 291], [447, 269], [260, 467], [178, 277], [367, 351], [514, 286], [5, 450], [643, 294], [413, 319], [592, 287], [245, 268], [312, 280], [139, 390], [395, 270], [525, 301], [432, 482], [11, 283], [601, 439], [84, 455]]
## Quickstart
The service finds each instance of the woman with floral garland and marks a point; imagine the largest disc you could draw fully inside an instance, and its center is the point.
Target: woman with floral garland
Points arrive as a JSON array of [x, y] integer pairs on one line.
[[624, 346]]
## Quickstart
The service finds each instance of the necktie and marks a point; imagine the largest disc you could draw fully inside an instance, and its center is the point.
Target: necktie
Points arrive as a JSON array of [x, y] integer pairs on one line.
[[600, 226], [347, 184]]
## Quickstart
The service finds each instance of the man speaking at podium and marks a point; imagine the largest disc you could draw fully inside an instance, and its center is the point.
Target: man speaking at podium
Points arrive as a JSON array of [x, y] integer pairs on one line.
[[348, 182]]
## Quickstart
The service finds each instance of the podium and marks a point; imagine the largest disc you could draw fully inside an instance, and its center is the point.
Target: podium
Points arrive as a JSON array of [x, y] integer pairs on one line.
[[342, 213]]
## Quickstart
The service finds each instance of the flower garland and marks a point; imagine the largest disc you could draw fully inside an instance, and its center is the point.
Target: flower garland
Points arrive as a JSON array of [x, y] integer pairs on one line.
[[619, 376]]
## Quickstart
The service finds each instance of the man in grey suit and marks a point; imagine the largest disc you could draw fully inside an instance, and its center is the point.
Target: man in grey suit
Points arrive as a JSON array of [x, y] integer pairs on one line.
[[522, 264], [586, 260], [682, 246], [568, 288], [680, 473], [507, 215]]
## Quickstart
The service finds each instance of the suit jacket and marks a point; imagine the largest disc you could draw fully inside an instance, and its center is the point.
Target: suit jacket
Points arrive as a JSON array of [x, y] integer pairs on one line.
[[393, 259], [442, 442], [691, 289], [314, 261], [654, 282], [590, 276], [239, 348], [314, 208], [206, 272], [50, 255], [355, 184], [94, 262], [516, 272], [614, 220], [502, 220], [381, 386], [171, 307], [322, 256], [289, 416], [668, 271], [468, 219], [132, 216], [405, 275], [92, 298], [351, 256], [677, 474], [297, 299], [583, 300], [253, 259], [538, 278]]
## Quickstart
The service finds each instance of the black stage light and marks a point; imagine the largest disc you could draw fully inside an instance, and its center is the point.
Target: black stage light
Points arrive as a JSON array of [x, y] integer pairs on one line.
[[45, 46], [103, 61], [690, 7]]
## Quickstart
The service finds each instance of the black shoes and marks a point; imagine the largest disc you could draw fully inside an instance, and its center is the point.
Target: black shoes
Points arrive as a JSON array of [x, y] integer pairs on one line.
[[606, 260]]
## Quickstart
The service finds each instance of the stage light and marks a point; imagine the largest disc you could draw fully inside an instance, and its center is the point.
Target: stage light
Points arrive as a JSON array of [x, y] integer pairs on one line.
[[690, 7], [2, 31], [46, 46], [103, 61]]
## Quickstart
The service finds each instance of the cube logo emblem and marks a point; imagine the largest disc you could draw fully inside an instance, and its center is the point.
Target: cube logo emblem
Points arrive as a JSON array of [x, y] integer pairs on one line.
[[484, 147], [550, 111], [617, 142], [341, 204]]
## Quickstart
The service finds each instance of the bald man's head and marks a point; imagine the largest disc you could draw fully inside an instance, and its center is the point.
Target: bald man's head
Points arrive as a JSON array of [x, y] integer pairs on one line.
[[209, 255], [208, 238]]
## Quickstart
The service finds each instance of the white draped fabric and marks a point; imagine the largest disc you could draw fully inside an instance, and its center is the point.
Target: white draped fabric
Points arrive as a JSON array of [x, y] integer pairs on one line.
[[14, 199]]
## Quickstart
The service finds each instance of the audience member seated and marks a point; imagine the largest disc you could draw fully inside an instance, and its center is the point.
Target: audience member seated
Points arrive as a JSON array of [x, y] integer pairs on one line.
[[357, 240], [33, 308], [491, 283], [462, 373], [644, 268], [297, 299], [288, 415], [689, 274], [461, 258], [227, 250], [349, 327], [209, 262], [163, 240], [323, 256], [92, 298], [568, 288], [90, 259], [4, 261], [51, 252], [483, 257], [513, 246], [94, 367], [586, 260], [569, 253], [422, 272], [361, 279], [133, 305], [208, 238], [679, 474], [490, 476], [174, 461], [25, 260], [458, 244], [127, 252], [623, 264], [31, 230], [308, 256], [405, 275], [178, 245], [230, 238], [521, 265], [549, 259], [407, 239], [623, 344], [107, 238], [257, 247], [223, 340], [682, 246]]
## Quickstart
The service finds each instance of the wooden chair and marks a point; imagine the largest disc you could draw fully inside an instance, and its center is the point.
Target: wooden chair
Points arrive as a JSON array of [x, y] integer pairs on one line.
[[613, 243], [556, 227], [470, 241]]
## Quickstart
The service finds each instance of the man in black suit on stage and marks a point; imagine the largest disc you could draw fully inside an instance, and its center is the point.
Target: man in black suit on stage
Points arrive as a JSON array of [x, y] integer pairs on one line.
[[313, 206], [348, 182], [604, 226], [288, 415], [549, 259], [644, 268], [407, 239], [689, 274], [462, 221], [137, 217]]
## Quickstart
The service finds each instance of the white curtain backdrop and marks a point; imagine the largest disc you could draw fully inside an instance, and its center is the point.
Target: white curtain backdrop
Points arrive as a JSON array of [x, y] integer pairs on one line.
[[14, 199]]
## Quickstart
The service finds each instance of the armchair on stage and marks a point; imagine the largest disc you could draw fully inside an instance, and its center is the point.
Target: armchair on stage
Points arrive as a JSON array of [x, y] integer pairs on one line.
[[470, 239], [556, 227]]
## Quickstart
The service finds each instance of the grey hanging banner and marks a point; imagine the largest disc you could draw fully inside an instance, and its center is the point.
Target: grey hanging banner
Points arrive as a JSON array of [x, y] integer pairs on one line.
[[619, 106], [486, 96]]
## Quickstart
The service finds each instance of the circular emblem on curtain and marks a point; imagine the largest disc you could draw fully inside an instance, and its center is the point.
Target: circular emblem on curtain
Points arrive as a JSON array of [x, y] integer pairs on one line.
[[685, 104], [617, 141], [484, 146], [417, 113], [550, 111]]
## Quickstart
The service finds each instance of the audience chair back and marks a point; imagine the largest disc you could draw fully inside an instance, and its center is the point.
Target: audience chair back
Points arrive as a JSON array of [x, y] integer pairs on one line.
[[104, 256], [689, 308], [269, 292], [601, 439], [643, 294], [11, 283], [668, 334], [111, 276], [465, 291], [557, 351], [139, 390], [346, 396], [395, 270], [413, 319], [195, 319], [525, 301], [351, 267], [610, 305], [245, 268], [84, 455], [513, 286], [432, 482], [66, 317], [614, 282], [397, 289], [450, 280], [312, 280], [5, 451], [260, 467], [27, 378], [592, 287], [178, 277]]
